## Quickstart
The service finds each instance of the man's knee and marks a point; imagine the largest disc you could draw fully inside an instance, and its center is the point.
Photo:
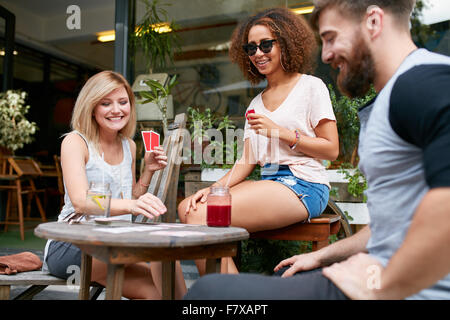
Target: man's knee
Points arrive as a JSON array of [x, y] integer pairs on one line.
[[205, 287]]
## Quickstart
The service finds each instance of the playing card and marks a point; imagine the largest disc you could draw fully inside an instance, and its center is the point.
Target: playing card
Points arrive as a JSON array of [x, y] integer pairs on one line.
[[151, 140], [248, 112]]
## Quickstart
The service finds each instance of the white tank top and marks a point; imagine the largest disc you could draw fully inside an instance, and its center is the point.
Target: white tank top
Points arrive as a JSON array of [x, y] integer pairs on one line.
[[118, 176]]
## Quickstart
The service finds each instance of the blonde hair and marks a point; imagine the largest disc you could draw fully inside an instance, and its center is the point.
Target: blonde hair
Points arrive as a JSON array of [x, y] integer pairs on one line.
[[94, 90]]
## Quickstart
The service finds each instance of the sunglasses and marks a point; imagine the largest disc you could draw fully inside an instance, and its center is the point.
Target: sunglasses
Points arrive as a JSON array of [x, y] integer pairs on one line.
[[265, 46]]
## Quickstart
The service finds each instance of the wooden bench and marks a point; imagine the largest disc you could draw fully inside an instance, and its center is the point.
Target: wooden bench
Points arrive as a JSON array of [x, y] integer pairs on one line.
[[38, 281]]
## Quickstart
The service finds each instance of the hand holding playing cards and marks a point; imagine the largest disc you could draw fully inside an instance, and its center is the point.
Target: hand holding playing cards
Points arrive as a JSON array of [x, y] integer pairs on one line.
[[155, 160], [263, 125]]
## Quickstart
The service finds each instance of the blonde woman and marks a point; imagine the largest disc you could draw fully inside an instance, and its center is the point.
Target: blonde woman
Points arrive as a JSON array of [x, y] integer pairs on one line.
[[100, 147]]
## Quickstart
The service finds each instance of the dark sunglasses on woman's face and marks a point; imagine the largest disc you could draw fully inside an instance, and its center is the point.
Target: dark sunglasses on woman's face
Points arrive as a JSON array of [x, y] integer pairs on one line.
[[265, 46]]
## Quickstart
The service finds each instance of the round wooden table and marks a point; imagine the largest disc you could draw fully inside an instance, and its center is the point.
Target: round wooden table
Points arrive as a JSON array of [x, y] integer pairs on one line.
[[122, 242]]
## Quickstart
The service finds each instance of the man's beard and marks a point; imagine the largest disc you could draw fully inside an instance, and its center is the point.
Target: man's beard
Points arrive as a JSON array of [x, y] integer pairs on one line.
[[361, 71]]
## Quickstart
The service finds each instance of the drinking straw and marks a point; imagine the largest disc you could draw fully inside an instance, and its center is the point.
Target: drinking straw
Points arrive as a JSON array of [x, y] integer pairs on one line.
[[103, 169], [229, 177]]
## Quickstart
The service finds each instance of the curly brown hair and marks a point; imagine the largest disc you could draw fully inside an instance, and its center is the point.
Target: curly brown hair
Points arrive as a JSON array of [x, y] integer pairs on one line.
[[293, 34]]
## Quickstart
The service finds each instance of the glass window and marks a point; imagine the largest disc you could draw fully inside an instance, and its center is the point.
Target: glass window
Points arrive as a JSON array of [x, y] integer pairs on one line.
[[206, 77]]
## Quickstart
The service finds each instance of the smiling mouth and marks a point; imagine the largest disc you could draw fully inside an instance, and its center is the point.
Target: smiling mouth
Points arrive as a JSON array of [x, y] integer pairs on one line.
[[262, 63], [115, 118]]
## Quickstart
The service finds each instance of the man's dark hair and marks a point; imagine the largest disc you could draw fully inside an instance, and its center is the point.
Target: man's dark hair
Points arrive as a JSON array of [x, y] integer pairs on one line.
[[356, 9]]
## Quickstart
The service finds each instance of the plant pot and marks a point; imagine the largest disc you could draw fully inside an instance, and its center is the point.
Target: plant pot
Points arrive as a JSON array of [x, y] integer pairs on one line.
[[150, 111], [213, 174], [354, 206]]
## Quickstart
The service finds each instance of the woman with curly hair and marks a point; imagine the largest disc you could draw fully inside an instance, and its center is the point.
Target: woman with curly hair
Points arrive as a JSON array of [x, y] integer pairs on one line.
[[290, 128]]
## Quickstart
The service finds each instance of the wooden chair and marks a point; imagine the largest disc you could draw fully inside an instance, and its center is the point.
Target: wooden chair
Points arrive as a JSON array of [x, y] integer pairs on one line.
[[317, 230], [164, 183], [20, 179]]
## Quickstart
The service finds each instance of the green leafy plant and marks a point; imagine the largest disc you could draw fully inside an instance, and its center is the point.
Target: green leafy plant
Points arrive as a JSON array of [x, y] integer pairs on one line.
[[15, 129], [421, 33], [346, 112], [158, 94], [199, 124], [155, 35], [357, 183], [262, 255]]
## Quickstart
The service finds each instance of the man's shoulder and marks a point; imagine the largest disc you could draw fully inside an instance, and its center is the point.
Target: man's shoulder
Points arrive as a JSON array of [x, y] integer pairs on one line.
[[419, 102], [424, 85]]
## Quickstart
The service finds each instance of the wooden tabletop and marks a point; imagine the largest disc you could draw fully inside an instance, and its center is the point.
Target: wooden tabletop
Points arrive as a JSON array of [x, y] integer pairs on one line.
[[122, 242], [122, 233]]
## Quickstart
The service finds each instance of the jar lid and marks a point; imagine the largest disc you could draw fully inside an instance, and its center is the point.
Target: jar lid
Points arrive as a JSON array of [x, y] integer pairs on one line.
[[219, 190]]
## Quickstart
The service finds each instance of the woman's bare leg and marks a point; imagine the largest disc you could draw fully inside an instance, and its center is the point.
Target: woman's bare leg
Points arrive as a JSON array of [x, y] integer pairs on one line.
[[180, 283], [256, 206], [137, 283]]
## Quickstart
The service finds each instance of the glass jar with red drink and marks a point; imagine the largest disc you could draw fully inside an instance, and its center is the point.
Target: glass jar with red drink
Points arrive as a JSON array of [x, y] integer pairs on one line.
[[218, 210]]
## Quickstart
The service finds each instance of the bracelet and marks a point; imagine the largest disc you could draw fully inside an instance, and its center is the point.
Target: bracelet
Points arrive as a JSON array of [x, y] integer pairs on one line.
[[297, 140], [144, 185], [293, 142]]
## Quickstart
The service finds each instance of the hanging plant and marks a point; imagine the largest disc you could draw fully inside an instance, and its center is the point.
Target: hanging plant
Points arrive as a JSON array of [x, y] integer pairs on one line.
[[155, 35]]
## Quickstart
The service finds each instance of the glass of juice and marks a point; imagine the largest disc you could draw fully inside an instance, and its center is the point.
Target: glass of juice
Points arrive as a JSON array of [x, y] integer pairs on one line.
[[98, 199], [218, 209]]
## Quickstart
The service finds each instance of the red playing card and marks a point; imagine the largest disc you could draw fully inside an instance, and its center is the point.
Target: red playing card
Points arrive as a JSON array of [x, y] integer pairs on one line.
[[151, 140], [248, 112]]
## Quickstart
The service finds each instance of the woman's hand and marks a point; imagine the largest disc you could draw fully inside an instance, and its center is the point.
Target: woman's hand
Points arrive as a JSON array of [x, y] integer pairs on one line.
[[263, 125], [301, 262], [155, 160], [200, 195], [148, 205]]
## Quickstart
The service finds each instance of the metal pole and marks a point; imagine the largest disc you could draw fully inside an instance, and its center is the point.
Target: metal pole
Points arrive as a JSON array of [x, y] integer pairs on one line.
[[121, 42], [10, 25]]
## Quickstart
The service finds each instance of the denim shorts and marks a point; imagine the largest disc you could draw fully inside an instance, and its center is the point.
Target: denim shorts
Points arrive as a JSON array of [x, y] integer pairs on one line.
[[313, 195], [60, 256]]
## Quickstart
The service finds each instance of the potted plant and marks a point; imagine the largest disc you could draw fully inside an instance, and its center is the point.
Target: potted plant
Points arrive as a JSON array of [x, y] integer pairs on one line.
[[347, 181], [15, 129], [203, 126], [159, 94], [155, 37]]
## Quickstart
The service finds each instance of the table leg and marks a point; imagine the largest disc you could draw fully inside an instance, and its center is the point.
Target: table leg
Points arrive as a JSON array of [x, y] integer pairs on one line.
[[168, 280], [213, 265], [114, 281], [85, 282], [5, 292]]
